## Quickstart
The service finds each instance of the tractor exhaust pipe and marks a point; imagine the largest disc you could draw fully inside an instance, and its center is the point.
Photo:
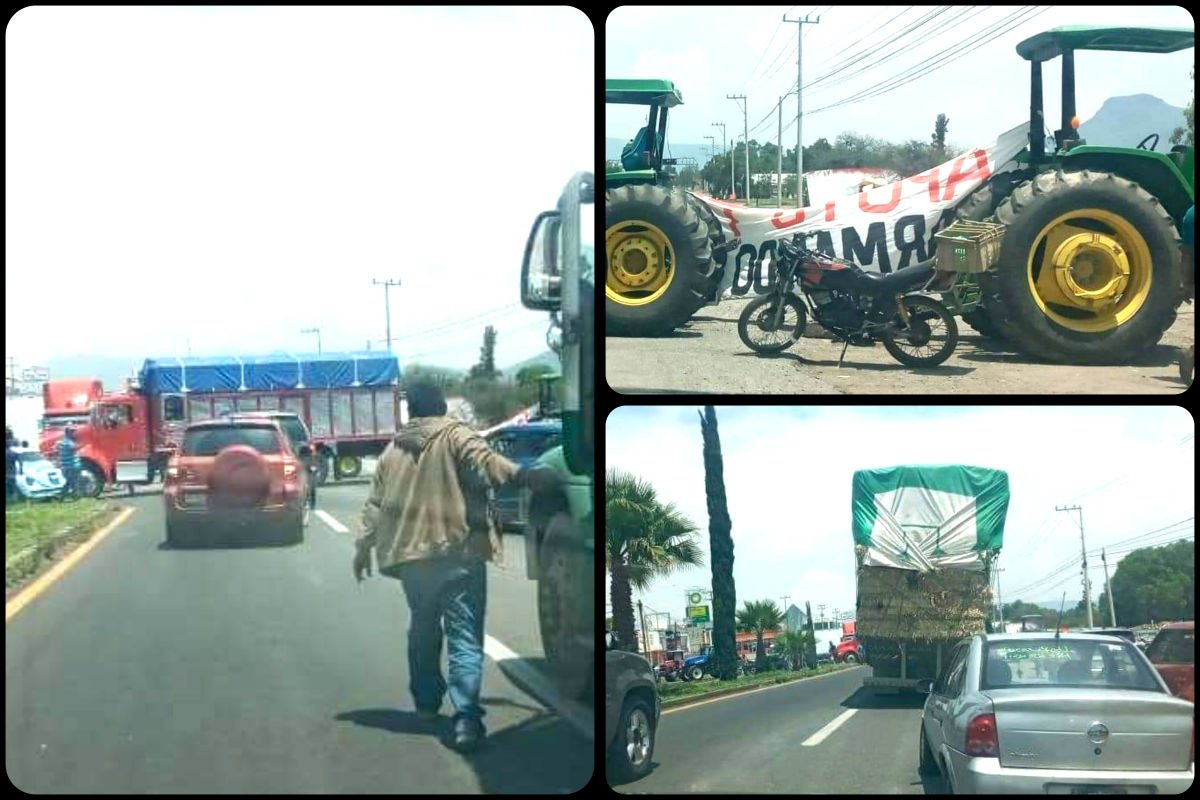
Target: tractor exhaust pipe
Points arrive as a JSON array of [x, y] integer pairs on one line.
[[1037, 116]]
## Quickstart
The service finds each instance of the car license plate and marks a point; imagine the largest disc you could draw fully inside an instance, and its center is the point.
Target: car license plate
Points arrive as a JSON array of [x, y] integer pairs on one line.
[[1067, 788]]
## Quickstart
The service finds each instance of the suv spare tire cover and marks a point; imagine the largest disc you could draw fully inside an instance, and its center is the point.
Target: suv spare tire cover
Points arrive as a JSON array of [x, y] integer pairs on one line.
[[239, 478]]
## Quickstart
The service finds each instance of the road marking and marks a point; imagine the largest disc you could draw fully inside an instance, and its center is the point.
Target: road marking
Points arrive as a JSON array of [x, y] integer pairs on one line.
[[538, 684], [824, 733], [331, 522], [43, 582]]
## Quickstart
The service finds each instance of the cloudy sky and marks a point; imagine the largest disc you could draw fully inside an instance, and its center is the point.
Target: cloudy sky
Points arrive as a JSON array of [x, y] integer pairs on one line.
[[226, 176], [788, 472], [711, 52]]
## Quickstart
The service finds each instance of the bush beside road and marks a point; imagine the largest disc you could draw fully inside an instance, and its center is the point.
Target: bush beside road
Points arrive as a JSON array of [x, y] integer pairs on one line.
[[37, 532]]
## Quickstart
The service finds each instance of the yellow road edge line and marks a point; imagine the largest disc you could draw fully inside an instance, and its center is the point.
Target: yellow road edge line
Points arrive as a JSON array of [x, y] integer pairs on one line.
[[43, 582]]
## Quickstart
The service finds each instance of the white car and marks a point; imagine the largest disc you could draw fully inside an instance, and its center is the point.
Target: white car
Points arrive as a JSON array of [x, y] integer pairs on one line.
[[36, 477], [1036, 713]]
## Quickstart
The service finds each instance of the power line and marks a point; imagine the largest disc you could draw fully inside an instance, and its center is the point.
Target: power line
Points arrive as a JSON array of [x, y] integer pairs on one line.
[[499, 311]]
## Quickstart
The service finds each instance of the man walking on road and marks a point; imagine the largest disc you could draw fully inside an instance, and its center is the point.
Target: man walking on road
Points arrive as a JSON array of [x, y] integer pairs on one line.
[[427, 521], [68, 462]]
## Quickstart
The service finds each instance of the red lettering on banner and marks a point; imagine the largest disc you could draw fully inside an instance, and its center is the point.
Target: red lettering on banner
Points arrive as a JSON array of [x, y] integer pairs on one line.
[[961, 172], [929, 176], [829, 212], [737, 234], [778, 223], [886, 207]]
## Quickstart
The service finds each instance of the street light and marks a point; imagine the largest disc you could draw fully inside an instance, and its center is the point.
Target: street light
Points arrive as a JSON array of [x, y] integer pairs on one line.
[[317, 331]]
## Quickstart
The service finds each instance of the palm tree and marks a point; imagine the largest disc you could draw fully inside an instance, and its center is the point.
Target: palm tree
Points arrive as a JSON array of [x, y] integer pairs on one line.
[[810, 650], [643, 539], [759, 616], [720, 542]]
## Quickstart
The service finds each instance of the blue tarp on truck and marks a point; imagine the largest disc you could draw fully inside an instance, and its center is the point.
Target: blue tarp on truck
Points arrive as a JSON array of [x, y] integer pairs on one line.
[[268, 372]]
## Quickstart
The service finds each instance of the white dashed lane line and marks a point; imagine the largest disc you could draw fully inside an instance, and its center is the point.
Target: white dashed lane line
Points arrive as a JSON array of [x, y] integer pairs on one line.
[[331, 522], [825, 732]]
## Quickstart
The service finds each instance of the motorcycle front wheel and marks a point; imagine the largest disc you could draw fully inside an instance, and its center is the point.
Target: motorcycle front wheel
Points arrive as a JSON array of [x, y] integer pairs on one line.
[[759, 330], [928, 338]]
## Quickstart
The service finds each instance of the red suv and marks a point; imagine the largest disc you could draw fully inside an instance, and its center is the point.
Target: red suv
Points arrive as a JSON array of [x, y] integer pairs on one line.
[[1173, 654], [235, 476]]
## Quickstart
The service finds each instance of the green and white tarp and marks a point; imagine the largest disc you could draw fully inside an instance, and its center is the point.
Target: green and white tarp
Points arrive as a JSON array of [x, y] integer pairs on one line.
[[928, 518]]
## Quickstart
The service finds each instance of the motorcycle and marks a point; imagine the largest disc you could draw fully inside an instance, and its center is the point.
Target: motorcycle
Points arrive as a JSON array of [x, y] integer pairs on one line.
[[858, 307]]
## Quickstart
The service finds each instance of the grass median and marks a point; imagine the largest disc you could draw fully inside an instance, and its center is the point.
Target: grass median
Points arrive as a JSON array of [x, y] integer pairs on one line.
[[35, 532], [682, 692]]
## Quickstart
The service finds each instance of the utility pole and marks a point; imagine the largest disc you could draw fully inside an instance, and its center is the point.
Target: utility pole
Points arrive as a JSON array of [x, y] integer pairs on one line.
[[746, 128], [317, 331], [1087, 589], [387, 308], [724, 151], [999, 599], [712, 143], [645, 634], [1112, 612], [779, 147], [800, 23]]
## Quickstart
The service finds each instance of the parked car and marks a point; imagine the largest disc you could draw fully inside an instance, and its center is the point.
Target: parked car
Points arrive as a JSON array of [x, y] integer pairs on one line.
[[631, 713], [235, 477], [37, 478], [1038, 713], [1173, 654], [523, 444]]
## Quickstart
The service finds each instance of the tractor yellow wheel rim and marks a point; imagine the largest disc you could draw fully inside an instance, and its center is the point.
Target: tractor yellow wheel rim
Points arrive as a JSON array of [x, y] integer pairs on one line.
[[1090, 270], [641, 263]]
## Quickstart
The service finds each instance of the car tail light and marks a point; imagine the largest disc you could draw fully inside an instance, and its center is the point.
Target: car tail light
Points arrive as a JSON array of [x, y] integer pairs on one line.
[[289, 469], [981, 737]]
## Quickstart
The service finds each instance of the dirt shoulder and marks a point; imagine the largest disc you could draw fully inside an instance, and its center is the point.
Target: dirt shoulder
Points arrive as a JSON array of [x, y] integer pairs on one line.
[[706, 356]]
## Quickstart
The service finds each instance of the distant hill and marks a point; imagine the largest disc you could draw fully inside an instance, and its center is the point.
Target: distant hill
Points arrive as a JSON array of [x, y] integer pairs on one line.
[[548, 358], [1125, 121]]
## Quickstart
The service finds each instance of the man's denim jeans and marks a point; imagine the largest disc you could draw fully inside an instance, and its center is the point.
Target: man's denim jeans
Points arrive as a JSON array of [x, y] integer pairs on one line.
[[452, 592]]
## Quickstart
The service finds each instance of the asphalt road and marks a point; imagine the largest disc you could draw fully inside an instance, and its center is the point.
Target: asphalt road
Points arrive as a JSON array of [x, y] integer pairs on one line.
[[706, 356], [821, 736], [145, 669]]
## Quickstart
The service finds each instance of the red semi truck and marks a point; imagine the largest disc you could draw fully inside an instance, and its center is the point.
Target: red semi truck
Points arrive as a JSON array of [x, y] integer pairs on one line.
[[68, 401], [351, 402]]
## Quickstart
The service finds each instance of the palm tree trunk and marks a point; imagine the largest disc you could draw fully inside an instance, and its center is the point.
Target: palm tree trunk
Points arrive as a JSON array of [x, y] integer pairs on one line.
[[721, 546], [622, 603]]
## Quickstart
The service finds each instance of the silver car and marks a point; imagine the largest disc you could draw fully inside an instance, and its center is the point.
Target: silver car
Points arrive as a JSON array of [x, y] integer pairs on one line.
[[1035, 713]]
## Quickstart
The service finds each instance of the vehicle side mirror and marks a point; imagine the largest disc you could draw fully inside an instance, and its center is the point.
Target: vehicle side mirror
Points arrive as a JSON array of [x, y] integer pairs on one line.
[[924, 686], [541, 283]]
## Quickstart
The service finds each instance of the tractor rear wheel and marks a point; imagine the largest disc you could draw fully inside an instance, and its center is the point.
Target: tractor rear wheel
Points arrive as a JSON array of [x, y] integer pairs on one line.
[[659, 260], [1088, 270], [716, 238], [977, 208]]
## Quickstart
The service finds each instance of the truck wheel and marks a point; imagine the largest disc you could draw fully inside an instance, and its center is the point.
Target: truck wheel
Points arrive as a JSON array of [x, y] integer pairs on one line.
[[695, 673], [659, 260], [90, 481], [347, 467], [1089, 268], [925, 763], [566, 606], [851, 658], [629, 756]]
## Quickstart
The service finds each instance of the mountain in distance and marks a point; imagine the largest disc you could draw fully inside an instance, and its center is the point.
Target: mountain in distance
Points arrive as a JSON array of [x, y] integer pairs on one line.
[[1125, 121], [547, 358]]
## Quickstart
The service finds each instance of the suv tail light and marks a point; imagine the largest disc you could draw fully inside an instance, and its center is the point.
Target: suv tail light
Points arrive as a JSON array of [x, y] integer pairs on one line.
[[289, 469], [982, 740]]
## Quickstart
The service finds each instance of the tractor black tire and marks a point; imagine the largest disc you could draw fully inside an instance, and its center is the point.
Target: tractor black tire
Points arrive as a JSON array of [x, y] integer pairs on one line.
[[716, 238], [677, 218], [979, 207], [1031, 206]]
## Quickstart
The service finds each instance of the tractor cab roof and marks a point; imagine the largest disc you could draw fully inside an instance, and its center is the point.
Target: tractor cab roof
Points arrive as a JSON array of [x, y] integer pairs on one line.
[[642, 92], [1052, 43]]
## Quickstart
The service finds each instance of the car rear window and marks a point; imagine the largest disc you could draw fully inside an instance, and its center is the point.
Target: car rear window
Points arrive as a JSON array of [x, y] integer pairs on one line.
[[209, 441], [1066, 662], [1173, 646]]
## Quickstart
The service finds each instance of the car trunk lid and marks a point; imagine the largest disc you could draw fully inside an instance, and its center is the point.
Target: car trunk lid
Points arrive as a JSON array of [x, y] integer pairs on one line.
[[1114, 729]]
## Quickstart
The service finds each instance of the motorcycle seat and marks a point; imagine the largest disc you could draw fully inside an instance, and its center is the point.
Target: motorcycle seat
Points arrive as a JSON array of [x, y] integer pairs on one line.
[[902, 279]]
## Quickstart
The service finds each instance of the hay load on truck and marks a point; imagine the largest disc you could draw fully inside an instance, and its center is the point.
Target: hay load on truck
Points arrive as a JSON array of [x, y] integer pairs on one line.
[[665, 252], [558, 276], [925, 538], [1089, 268], [351, 403]]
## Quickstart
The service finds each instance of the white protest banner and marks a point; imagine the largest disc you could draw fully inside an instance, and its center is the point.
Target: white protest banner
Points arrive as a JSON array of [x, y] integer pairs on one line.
[[880, 229]]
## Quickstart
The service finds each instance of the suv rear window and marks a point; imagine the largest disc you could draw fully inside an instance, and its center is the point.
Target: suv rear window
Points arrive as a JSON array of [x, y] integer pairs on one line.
[[1173, 646], [209, 441]]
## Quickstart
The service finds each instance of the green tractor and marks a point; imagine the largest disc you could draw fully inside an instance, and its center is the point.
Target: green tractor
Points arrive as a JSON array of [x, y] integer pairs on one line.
[[558, 276], [665, 249], [1089, 268]]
